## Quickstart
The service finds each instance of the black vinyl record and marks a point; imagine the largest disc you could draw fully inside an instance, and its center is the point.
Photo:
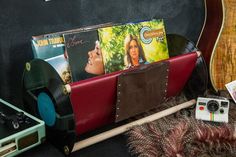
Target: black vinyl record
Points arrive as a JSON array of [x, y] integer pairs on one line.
[[39, 76], [42, 82], [197, 84], [178, 44]]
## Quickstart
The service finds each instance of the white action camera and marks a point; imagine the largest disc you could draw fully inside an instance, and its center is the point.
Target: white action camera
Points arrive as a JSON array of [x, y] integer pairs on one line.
[[211, 109]]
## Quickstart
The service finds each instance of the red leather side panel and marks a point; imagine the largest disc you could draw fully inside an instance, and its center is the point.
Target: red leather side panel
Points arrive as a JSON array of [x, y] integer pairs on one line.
[[93, 100], [180, 69]]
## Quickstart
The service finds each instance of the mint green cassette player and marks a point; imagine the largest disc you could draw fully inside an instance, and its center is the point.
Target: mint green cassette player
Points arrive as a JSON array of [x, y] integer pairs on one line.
[[19, 131]]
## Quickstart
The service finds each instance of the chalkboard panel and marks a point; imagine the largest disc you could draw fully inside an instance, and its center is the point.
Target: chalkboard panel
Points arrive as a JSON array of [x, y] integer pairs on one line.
[[19, 20]]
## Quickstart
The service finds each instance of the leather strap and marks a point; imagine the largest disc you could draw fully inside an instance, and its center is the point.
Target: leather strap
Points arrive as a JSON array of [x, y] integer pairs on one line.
[[141, 90]]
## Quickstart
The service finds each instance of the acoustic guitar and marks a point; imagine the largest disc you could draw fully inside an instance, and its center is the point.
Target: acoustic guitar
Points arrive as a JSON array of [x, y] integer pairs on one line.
[[218, 42], [223, 61]]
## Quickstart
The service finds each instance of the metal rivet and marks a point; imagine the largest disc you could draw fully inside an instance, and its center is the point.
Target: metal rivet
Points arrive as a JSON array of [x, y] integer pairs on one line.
[[64, 90], [66, 150], [117, 108], [27, 66]]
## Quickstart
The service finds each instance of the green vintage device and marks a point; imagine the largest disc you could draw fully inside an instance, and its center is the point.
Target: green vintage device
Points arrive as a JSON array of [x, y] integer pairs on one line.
[[19, 131]]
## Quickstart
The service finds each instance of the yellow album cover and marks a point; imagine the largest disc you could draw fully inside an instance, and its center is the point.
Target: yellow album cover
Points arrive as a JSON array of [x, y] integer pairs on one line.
[[133, 44]]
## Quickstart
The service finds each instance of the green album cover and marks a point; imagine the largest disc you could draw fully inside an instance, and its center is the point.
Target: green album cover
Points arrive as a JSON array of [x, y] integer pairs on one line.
[[51, 48], [132, 44], [45, 47]]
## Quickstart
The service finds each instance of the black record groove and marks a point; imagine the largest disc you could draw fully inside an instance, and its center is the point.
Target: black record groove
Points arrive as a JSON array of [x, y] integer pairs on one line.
[[40, 77], [197, 84], [44, 97]]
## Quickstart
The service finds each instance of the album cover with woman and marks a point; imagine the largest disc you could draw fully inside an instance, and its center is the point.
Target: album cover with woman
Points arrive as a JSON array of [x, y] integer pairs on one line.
[[84, 54], [133, 44]]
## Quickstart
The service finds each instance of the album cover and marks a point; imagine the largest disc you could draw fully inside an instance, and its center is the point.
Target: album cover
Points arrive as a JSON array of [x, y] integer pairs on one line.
[[231, 87], [51, 48], [132, 44], [84, 54]]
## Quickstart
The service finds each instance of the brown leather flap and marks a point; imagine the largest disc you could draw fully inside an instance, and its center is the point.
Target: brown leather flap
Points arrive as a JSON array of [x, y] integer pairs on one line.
[[141, 90]]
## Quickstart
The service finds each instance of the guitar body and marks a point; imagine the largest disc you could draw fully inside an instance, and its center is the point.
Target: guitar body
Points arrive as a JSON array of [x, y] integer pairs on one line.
[[223, 60]]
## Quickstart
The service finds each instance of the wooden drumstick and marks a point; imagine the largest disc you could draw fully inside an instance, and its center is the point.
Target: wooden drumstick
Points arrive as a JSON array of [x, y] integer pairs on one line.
[[121, 129]]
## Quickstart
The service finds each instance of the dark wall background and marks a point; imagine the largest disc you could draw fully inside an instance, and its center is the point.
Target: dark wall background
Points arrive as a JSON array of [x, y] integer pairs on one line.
[[20, 19]]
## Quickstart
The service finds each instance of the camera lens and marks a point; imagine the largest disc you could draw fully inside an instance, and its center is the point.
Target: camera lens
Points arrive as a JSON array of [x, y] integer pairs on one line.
[[212, 106]]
